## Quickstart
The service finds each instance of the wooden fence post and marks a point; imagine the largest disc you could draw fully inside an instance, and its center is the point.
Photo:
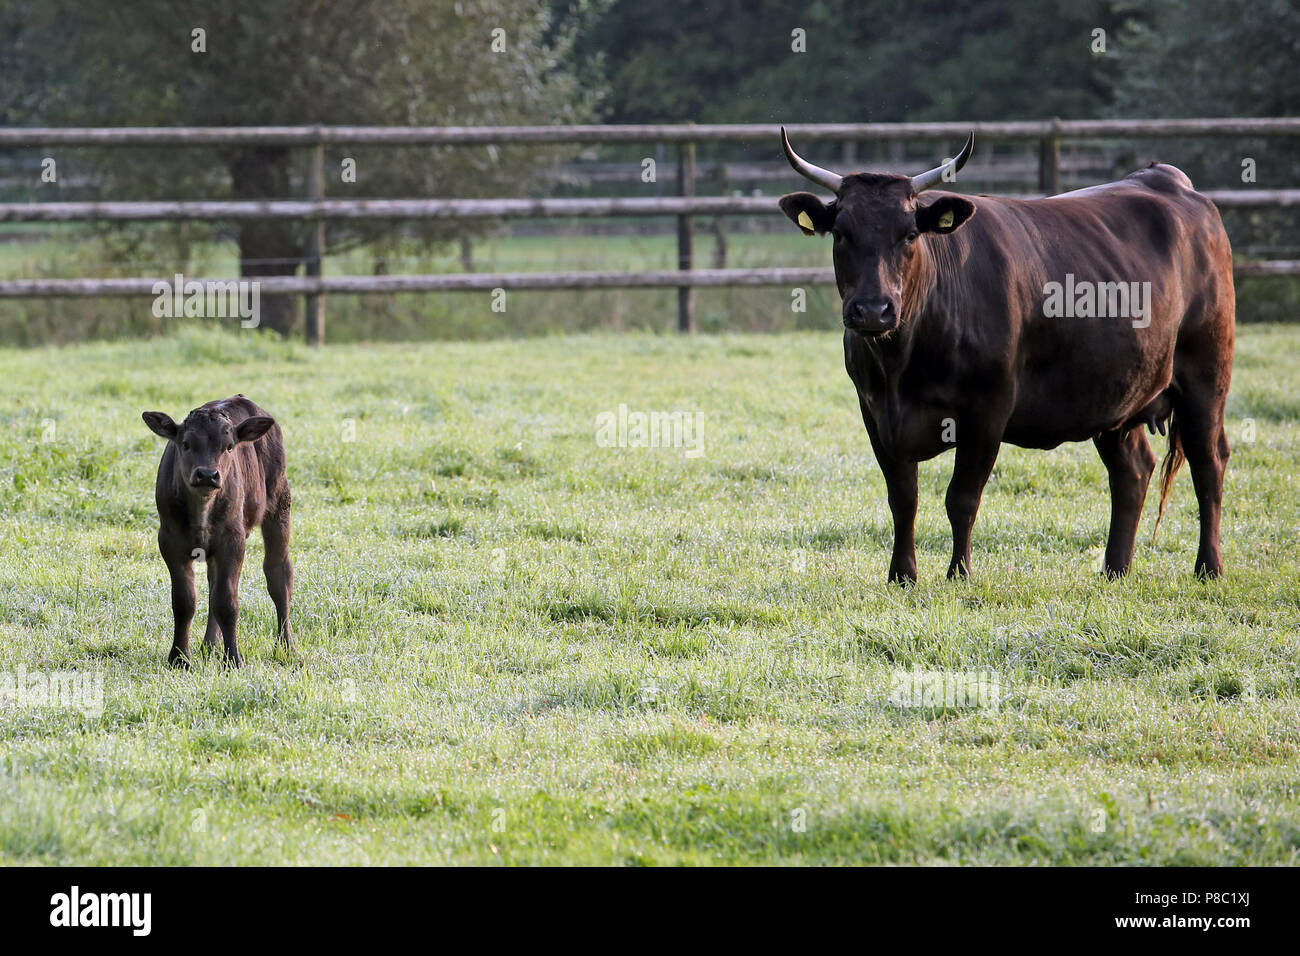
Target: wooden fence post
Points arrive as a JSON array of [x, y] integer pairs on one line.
[[685, 237], [719, 231], [315, 302], [1049, 161]]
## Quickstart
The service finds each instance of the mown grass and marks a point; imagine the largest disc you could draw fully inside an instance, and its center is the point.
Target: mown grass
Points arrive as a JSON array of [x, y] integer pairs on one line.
[[517, 646]]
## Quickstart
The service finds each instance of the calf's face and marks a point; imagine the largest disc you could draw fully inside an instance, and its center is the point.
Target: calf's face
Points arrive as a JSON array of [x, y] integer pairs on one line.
[[205, 444]]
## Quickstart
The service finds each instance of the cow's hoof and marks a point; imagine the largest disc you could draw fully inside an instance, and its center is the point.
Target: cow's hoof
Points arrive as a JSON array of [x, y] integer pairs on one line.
[[177, 659], [233, 660]]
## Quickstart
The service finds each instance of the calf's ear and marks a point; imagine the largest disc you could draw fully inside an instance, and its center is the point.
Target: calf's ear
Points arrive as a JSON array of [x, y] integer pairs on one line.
[[251, 429], [809, 213], [944, 215], [161, 424]]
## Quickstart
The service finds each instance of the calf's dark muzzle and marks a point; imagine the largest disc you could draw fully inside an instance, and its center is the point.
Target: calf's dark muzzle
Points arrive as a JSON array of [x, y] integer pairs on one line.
[[205, 480]]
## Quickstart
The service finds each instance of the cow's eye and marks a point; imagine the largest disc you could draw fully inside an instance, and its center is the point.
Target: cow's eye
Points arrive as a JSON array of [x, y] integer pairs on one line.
[[230, 448], [185, 446], [911, 236]]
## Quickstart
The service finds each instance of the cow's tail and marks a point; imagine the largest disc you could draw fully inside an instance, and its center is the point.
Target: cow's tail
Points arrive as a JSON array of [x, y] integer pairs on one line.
[[1173, 461]]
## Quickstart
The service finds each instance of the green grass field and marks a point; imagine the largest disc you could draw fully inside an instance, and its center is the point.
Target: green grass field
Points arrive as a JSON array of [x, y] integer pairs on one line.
[[517, 646]]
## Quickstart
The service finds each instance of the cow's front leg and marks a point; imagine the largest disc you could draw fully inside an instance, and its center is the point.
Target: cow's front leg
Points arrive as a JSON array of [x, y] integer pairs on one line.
[[900, 484], [974, 464], [225, 570], [900, 479]]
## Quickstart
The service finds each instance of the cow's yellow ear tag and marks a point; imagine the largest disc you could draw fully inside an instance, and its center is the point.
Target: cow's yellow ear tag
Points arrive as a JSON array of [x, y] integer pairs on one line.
[[805, 222], [945, 221]]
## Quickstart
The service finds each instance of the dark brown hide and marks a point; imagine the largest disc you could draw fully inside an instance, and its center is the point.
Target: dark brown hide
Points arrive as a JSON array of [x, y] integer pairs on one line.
[[949, 340], [222, 474]]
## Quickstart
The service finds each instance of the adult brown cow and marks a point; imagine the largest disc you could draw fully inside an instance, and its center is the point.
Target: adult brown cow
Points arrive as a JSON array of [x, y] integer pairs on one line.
[[973, 321]]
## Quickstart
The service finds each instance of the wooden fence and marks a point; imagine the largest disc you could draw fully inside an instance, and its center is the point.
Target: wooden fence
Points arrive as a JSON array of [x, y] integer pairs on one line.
[[316, 209]]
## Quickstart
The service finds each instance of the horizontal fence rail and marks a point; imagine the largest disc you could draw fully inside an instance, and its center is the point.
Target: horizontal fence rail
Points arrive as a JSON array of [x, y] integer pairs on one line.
[[386, 209], [316, 209], [645, 133], [450, 282], [235, 210], [1279, 267], [483, 281]]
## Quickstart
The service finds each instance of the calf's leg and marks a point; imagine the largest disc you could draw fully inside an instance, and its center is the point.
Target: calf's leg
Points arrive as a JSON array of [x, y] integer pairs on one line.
[[225, 570], [181, 569], [212, 633], [279, 571], [1129, 462]]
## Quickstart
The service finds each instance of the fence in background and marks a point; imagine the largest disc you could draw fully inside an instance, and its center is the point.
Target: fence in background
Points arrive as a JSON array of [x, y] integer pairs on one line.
[[316, 209]]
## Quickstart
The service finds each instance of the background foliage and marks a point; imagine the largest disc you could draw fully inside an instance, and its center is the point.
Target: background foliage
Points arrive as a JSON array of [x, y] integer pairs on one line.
[[619, 61]]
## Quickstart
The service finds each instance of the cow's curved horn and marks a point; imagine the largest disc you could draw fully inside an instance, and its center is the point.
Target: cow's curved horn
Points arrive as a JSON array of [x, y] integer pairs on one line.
[[822, 177], [935, 176]]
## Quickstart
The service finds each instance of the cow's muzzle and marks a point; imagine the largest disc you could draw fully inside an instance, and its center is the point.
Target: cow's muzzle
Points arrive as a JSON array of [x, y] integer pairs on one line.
[[870, 316]]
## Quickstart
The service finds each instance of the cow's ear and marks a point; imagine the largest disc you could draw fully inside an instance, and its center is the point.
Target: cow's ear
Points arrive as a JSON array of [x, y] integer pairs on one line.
[[944, 215], [809, 213], [161, 424], [251, 429]]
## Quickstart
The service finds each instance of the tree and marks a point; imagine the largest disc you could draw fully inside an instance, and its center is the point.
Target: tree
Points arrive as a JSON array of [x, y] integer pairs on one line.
[[290, 62], [863, 60], [1230, 58]]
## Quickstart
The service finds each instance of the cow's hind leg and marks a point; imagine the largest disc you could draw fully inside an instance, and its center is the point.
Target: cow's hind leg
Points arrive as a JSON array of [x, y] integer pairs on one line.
[[1200, 431], [279, 570], [1129, 461], [1202, 373]]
